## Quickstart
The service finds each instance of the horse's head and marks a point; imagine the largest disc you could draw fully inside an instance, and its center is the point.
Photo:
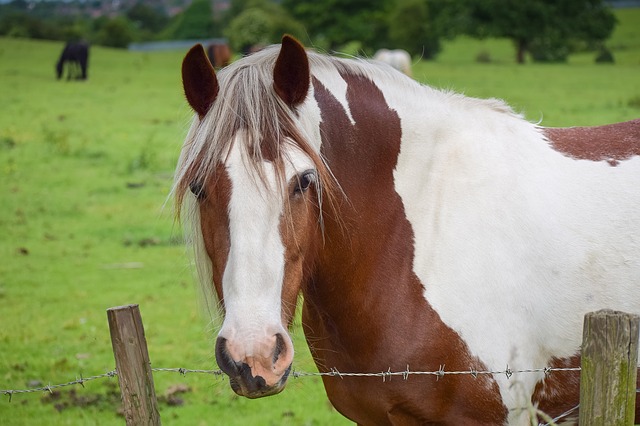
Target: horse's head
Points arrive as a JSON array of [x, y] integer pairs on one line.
[[255, 184], [59, 65]]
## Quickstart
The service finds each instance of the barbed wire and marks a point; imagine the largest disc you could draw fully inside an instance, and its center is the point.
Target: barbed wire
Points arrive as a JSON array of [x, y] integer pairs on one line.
[[113, 373], [441, 372], [184, 371], [333, 372], [81, 381]]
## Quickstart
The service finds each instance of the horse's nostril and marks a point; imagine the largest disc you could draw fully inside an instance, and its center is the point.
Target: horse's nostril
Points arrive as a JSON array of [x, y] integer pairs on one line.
[[224, 360], [257, 375], [280, 346]]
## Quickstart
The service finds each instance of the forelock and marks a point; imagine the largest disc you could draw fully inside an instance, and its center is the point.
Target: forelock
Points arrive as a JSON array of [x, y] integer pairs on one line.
[[246, 103]]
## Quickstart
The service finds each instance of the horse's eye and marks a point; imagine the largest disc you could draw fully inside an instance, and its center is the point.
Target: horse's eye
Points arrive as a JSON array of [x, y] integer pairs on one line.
[[305, 180], [198, 190]]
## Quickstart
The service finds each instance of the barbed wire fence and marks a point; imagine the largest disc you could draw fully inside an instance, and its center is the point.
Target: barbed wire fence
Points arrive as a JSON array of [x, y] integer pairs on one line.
[[334, 372], [384, 375], [627, 329]]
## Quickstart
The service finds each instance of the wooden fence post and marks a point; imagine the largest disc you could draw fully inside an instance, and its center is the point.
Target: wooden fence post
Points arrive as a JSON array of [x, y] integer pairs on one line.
[[608, 373], [133, 366]]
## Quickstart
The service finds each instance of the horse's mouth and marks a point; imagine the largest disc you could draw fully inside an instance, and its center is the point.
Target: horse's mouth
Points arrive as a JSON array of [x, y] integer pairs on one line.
[[256, 387]]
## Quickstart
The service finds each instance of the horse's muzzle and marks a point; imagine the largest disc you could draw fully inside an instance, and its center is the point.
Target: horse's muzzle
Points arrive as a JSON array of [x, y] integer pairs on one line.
[[255, 376]]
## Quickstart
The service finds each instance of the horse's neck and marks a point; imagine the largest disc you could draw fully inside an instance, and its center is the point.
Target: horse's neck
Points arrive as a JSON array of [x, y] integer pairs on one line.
[[364, 272], [382, 140]]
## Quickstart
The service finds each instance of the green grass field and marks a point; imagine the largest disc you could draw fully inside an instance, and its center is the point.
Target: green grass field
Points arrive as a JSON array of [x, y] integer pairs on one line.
[[85, 169], [85, 172]]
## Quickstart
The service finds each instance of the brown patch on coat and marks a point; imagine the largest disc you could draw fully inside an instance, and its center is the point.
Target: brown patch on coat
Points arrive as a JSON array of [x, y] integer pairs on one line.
[[559, 392], [214, 223], [612, 143], [300, 231], [364, 308]]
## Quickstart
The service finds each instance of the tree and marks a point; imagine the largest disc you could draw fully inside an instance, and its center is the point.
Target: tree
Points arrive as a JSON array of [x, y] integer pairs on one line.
[[548, 29], [195, 22], [251, 27], [411, 28], [116, 32], [147, 18], [332, 23], [260, 22]]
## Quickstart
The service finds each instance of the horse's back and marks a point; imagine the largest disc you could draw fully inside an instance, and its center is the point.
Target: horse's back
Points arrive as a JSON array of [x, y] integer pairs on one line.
[[76, 51], [612, 142]]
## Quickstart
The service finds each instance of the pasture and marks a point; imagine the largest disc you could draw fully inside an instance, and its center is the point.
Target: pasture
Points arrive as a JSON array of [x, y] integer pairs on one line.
[[85, 169]]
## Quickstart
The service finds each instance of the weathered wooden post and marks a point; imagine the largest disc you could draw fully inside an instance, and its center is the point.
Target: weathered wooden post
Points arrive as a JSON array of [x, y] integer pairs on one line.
[[133, 366], [609, 368]]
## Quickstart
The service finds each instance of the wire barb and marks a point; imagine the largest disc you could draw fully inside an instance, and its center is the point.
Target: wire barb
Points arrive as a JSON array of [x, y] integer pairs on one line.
[[473, 372], [405, 373], [508, 372], [333, 372], [386, 374], [440, 373]]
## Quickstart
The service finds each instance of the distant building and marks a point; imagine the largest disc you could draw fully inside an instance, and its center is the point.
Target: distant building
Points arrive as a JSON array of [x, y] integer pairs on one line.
[[620, 4]]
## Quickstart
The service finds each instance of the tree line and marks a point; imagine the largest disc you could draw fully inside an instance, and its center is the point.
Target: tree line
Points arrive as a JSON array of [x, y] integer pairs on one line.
[[544, 30]]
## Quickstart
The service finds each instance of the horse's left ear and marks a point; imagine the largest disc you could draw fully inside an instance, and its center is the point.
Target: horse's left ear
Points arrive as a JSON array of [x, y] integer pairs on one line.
[[291, 72], [199, 80]]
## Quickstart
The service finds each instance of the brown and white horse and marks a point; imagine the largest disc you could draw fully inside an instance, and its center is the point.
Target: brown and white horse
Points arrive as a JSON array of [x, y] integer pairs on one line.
[[423, 228]]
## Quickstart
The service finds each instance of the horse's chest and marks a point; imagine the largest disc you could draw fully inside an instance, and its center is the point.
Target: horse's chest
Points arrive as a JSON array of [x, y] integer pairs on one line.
[[414, 399], [396, 401]]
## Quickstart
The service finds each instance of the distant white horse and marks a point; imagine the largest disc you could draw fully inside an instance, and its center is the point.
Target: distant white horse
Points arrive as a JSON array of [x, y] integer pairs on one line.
[[397, 58]]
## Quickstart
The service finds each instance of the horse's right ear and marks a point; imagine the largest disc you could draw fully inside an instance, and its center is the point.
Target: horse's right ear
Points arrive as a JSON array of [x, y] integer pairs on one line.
[[199, 80]]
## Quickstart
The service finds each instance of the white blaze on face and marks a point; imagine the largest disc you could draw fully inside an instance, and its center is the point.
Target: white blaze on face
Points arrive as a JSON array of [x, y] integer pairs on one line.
[[253, 276], [252, 279]]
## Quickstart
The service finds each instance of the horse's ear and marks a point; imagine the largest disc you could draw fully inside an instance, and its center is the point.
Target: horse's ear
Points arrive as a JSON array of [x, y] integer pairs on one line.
[[291, 72], [199, 80]]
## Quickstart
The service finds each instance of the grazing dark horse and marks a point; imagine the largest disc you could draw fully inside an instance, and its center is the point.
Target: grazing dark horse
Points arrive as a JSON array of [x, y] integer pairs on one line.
[[76, 55], [423, 229], [219, 54]]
